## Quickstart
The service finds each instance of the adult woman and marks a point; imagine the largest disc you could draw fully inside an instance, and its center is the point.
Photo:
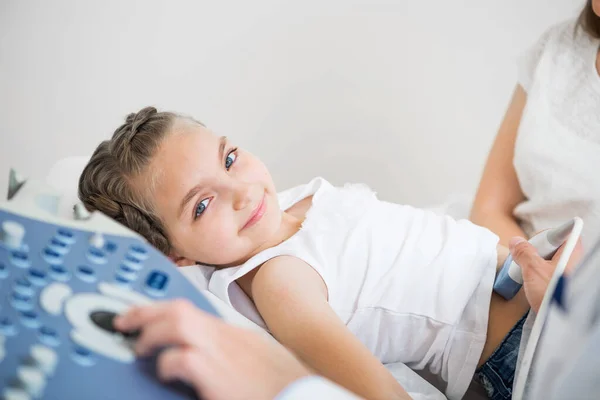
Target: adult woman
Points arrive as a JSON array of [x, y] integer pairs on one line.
[[542, 169]]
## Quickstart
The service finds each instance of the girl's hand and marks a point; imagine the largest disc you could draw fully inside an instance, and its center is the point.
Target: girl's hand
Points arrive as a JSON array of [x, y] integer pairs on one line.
[[219, 360]]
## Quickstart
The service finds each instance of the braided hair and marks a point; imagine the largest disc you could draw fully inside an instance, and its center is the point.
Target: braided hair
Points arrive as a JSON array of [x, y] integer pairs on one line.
[[106, 182]]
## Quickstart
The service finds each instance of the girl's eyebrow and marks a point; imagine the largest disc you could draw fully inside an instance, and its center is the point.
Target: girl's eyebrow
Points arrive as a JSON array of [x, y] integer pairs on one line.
[[193, 191]]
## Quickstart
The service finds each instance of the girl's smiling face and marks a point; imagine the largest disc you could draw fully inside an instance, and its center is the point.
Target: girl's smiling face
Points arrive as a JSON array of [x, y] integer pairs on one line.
[[217, 202]]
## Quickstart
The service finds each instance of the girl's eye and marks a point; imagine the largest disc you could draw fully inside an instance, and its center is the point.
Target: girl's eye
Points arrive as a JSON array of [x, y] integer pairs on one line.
[[231, 157], [200, 208]]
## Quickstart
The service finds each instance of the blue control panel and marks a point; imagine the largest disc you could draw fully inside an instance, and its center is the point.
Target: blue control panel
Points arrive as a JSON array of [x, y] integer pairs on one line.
[[58, 284]]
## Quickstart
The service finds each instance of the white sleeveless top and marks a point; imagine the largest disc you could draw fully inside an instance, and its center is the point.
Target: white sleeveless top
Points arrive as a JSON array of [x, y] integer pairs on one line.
[[557, 151], [413, 286]]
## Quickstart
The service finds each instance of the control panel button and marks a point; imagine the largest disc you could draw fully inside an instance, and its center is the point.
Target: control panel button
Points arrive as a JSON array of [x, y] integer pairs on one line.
[[12, 234], [60, 273], [121, 280], [49, 336], [3, 271], [96, 256], [53, 297], [105, 321], [23, 286], [101, 344], [51, 256], [132, 262], [127, 273], [80, 212], [37, 276], [12, 393], [60, 247], [156, 283], [83, 356], [30, 319], [44, 358], [21, 302], [32, 380], [20, 258], [86, 273], [111, 247], [7, 327], [97, 240], [66, 236], [86, 332], [139, 252]]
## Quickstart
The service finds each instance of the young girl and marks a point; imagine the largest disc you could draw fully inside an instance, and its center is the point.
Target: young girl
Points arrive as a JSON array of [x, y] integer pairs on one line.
[[346, 281]]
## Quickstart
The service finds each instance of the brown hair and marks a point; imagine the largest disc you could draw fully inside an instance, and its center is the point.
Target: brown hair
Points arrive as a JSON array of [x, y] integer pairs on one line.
[[589, 21], [106, 183]]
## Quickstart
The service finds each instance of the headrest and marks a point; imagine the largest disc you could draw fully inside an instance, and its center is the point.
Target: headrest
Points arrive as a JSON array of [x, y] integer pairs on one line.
[[64, 177]]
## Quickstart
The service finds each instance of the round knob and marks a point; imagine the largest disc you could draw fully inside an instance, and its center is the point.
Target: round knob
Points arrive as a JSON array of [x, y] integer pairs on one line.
[[105, 320], [80, 212], [12, 393], [97, 240], [32, 380], [12, 234], [44, 358]]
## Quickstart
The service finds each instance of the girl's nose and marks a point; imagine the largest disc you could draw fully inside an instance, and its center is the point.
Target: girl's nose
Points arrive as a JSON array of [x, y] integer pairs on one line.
[[241, 195]]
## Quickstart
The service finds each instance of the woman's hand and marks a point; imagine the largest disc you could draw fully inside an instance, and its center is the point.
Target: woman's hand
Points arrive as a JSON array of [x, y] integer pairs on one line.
[[537, 271], [219, 360]]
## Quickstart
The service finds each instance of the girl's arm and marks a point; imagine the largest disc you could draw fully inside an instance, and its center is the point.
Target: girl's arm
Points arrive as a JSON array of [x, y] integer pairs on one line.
[[499, 190], [292, 299]]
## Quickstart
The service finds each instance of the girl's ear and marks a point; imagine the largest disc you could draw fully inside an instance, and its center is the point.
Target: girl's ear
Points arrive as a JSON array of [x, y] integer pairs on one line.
[[181, 261]]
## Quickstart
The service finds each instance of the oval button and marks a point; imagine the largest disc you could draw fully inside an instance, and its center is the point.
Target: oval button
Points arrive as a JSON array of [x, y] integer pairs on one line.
[[19, 259], [37, 276], [51, 256], [86, 273], [59, 246], [66, 236], [96, 256], [138, 252]]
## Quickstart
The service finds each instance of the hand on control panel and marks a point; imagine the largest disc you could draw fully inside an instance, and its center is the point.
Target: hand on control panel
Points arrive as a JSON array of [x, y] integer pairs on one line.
[[209, 354]]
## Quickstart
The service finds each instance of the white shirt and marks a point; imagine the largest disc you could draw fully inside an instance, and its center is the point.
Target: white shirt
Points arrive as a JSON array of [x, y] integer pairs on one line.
[[558, 372], [557, 151], [413, 286], [314, 387]]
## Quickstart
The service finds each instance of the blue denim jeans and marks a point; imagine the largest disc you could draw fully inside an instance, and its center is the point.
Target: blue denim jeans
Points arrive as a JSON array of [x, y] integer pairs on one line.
[[498, 372]]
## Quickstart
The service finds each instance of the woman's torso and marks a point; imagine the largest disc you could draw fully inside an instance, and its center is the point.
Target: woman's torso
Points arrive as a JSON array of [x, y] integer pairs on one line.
[[557, 151]]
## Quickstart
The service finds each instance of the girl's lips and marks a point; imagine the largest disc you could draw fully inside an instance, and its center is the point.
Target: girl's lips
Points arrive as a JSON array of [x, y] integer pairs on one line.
[[257, 214]]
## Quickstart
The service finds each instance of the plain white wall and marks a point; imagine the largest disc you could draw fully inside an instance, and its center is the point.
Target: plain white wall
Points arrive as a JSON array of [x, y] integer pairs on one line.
[[405, 96]]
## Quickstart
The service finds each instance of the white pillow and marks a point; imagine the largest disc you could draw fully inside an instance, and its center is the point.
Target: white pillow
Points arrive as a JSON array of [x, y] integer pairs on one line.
[[64, 177], [199, 277]]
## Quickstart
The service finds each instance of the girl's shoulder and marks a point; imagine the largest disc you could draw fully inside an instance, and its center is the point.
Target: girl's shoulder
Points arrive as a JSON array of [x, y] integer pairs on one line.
[[299, 209]]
